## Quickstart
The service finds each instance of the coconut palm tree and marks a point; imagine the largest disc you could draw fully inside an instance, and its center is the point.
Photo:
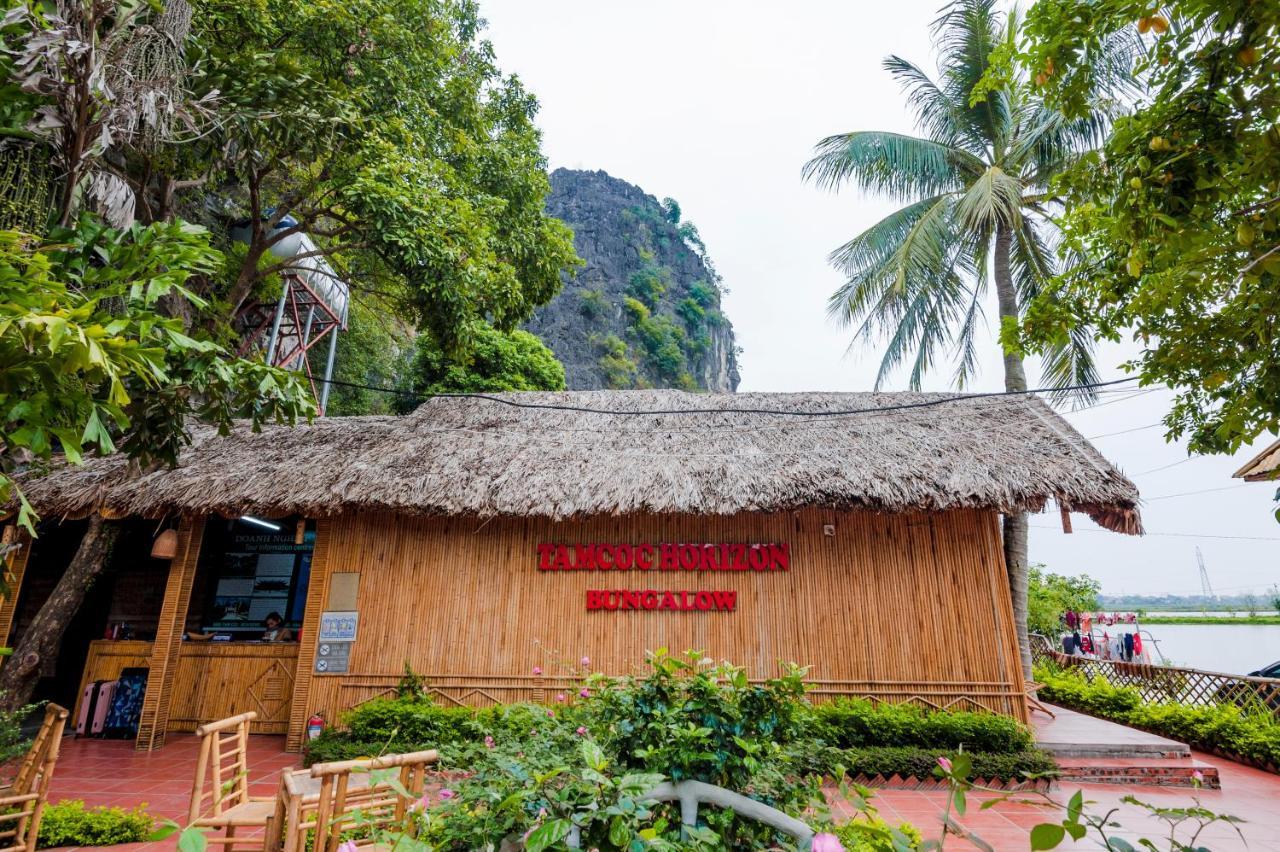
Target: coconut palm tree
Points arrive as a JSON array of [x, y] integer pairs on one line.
[[975, 187]]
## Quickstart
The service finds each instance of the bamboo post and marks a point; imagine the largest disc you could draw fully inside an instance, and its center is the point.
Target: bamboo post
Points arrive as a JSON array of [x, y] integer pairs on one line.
[[317, 592], [169, 630], [15, 567]]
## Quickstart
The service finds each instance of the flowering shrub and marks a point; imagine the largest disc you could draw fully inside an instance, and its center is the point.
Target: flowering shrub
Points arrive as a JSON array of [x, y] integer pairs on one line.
[[506, 798]]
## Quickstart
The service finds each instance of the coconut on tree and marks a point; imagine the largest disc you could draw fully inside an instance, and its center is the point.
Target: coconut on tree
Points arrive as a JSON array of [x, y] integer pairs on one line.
[[977, 211]]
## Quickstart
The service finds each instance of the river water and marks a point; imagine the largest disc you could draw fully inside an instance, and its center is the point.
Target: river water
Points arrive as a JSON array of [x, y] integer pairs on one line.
[[1227, 648]]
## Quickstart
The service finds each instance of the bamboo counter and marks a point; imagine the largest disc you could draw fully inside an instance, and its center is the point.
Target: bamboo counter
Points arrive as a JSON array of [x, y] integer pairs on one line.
[[213, 680]]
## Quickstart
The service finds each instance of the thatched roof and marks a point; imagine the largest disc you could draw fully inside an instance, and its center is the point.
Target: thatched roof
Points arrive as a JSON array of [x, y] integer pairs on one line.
[[479, 457], [1262, 467]]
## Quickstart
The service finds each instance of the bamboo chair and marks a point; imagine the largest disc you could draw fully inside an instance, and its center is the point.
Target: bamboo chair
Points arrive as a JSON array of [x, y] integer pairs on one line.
[[360, 805], [22, 802], [226, 803]]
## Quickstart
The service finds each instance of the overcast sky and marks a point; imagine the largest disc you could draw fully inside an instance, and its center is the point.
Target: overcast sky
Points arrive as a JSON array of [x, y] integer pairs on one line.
[[718, 104]]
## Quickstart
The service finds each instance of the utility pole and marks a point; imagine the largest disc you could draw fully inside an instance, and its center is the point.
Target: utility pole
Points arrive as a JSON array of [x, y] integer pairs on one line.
[[1206, 588]]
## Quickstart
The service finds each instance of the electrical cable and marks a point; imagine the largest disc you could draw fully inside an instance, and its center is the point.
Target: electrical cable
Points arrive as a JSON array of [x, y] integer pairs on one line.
[[1169, 534], [732, 410], [1202, 491]]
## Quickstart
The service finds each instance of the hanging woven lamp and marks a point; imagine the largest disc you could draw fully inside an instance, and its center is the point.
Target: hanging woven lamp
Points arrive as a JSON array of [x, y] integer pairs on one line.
[[166, 545]]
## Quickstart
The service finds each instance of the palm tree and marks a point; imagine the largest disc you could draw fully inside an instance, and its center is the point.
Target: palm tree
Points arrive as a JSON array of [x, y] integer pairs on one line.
[[975, 186]]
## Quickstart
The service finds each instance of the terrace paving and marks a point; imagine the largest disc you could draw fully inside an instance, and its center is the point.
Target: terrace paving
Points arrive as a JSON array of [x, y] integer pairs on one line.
[[112, 773]]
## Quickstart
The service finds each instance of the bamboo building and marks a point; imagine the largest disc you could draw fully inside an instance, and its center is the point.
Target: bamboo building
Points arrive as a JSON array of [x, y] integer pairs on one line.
[[479, 540]]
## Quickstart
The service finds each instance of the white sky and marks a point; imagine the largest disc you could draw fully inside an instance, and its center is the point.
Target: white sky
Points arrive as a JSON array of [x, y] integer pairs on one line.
[[718, 104]]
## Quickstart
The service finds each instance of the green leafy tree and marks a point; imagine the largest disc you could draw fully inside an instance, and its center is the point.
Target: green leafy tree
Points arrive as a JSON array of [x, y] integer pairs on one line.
[[977, 212], [89, 362], [386, 132], [1050, 595], [497, 361], [374, 351], [1176, 220]]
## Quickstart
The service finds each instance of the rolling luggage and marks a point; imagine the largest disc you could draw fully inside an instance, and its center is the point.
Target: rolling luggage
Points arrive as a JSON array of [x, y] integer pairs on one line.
[[126, 705], [94, 704]]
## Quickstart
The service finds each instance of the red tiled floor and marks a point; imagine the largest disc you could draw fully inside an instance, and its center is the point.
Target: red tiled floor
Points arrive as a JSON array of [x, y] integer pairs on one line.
[[103, 772]]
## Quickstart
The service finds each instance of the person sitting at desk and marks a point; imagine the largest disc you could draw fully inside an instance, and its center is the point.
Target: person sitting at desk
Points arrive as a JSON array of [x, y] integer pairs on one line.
[[276, 631]]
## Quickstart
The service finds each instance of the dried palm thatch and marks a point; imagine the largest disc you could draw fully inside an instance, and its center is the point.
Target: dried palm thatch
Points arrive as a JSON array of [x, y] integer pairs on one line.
[[479, 457], [1262, 467]]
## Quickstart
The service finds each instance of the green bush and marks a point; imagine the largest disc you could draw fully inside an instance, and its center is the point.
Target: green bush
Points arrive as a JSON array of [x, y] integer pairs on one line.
[[69, 823], [915, 761], [387, 725], [873, 834], [851, 723], [1224, 726]]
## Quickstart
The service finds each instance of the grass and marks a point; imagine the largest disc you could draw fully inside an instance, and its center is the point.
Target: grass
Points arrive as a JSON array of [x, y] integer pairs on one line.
[[1242, 618]]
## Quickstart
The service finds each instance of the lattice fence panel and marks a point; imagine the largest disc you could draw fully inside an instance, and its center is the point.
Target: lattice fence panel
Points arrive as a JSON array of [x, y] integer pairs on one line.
[[1170, 684]]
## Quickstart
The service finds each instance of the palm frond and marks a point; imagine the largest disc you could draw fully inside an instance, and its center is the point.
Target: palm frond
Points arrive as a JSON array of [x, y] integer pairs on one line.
[[1031, 261], [993, 199], [941, 117], [1071, 363], [875, 292], [882, 240], [966, 347], [894, 164], [966, 34]]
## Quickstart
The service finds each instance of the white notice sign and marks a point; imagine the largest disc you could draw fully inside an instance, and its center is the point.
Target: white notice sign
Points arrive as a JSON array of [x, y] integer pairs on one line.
[[338, 626]]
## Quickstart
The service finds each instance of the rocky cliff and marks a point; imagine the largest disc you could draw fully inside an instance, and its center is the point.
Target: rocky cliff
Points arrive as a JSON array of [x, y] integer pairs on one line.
[[645, 309]]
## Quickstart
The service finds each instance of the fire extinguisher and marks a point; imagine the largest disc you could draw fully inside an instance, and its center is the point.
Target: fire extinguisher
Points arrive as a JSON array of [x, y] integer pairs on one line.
[[314, 726]]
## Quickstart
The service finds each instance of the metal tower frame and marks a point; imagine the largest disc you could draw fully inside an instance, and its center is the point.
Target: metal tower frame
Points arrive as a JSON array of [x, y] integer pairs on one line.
[[299, 322]]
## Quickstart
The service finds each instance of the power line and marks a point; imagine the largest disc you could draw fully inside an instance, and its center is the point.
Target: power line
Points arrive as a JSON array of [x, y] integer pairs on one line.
[[906, 406], [1125, 431], [1167, 466], [1171, 534], [1201, 491]]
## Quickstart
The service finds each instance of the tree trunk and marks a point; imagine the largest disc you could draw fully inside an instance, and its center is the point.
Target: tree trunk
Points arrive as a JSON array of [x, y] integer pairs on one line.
[[42, 639], [1015, 526]]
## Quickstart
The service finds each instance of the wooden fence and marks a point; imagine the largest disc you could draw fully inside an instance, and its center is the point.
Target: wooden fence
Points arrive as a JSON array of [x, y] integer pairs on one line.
[[1169, 684]]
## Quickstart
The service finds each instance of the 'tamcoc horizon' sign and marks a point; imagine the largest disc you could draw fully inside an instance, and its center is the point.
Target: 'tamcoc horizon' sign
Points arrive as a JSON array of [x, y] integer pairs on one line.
[[665, 556]]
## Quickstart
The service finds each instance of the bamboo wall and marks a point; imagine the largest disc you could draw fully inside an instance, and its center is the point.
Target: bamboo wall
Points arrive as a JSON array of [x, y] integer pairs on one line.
[[900, 607], [211, 682]]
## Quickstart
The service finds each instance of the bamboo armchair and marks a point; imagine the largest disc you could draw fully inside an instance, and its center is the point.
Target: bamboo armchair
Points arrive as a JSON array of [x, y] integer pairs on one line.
[[363, 804], [225, 804], [22, 802]]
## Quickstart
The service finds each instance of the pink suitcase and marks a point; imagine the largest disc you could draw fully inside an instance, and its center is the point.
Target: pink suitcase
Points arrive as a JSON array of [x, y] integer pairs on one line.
[[86, 708], [94, 704], [102, 706]]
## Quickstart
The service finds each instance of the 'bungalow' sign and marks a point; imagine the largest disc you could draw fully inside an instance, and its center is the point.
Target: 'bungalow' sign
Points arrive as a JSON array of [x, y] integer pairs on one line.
[[666, 556]]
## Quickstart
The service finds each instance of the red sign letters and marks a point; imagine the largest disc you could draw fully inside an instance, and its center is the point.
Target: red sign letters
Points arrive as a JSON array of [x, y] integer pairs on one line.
[[666, 556]]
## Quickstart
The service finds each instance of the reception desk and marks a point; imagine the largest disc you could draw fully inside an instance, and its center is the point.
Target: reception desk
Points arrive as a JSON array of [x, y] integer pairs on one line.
[[213, 680]]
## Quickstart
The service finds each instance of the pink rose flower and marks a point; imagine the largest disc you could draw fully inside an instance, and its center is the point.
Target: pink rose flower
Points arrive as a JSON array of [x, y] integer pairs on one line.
[[582, 732], [826, 843], [537, 670], [422, 804], [551, 714], [488, 742], [560, 696], [584, 692], [945, 764], [446, 794], [586, 661]]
